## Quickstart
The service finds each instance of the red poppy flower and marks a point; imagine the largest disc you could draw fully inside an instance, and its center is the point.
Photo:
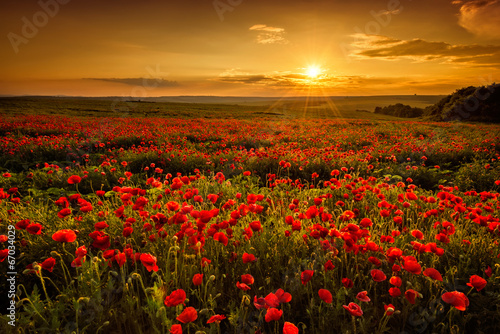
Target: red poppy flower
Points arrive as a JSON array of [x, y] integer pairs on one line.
[[347, 283], [101, 242], [100, 225], [457, 299], [354, 309], [175, 298], [247, 258], [289, 328], [396, 281], [247, 279], [149, 261], [188, 315], [283, 297], [176, 329], [306, 276], [3, 254], [418, 234], [325, 295], [273, 314], [259, 303], [48, 264], [197, 279], [64, 213], [477, 282], [411, 295], [127, 231], [81, 251], [488, 271], [216, 318], [35, 229], [412, 267], [433, 273], [272, 300], [362, 296], [77, 262], [74, 179], [64, 236], [395, 292], [121, 259], [329, 265], [3, 238], [221, 237], [242, 286], [378, 275], [389, 309], [256, 226]]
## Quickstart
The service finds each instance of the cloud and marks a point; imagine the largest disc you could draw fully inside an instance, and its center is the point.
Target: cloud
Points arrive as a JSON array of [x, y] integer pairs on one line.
[[481, 17], [142, 82], [300, 81], [386, 48], [269, 35]]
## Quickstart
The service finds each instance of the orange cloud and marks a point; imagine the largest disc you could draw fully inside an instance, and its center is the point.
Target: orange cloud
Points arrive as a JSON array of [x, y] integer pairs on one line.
[[269, 35], [386, 48], [481, 17]]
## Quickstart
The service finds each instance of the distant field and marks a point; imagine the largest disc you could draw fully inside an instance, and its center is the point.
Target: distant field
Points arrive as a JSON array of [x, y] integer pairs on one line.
[[358, 107]]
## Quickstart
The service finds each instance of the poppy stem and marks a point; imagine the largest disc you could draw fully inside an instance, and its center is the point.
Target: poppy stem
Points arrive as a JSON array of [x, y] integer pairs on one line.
[[353, 324]]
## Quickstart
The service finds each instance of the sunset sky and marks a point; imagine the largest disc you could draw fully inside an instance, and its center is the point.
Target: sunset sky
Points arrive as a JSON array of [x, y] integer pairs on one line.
[[247, 47]]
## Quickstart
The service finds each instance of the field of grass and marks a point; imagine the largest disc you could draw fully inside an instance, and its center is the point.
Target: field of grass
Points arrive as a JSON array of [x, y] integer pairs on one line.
[[245, 219], [188, 107]]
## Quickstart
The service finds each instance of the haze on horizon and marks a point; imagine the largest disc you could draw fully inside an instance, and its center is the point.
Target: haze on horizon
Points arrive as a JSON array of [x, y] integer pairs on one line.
[[247, 48]]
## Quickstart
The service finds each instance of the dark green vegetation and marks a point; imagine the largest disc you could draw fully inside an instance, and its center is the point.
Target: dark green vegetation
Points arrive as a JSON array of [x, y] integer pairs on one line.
[[470, 104], [400, 110]]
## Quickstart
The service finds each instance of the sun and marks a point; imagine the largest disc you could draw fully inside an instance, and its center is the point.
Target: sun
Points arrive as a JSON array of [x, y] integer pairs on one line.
[[313, 71]]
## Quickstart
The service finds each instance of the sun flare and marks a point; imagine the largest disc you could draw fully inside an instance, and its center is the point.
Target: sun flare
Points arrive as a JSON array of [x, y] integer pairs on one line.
[[313, 71]]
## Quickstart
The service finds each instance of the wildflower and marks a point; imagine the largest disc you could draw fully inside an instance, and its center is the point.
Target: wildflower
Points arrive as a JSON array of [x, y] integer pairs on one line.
[[433, 273], [273, 314], [247, 279], [347, 283], [325, 295], [175, 298], [362, 296], [149, 262], [457, 299], [306, 276], [216, 318], [74, 179], [289, 328], [247, 258], [410, 295], [35, 229], [176, 329], [477, 282], [378, 275], [389, 309], [354, 309], [188, 315], [197, 279], [48, 264], [64, 236]]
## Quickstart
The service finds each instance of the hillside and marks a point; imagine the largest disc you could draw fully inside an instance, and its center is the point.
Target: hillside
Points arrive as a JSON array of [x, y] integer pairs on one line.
[[474, 104]]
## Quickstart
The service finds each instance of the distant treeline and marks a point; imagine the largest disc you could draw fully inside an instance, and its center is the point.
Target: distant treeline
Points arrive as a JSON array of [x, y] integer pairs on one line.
[[400, 110], [475, 104]]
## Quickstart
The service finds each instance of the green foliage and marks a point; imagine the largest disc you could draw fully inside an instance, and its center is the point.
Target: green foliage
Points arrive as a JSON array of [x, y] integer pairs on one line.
[[400, 110]]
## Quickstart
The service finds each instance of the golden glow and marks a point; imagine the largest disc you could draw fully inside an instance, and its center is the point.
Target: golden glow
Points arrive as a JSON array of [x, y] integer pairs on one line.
[[313, 71]]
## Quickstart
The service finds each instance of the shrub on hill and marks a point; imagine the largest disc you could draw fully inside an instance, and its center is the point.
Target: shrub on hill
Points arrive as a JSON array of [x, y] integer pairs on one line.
[[475, 104], [400, 110]]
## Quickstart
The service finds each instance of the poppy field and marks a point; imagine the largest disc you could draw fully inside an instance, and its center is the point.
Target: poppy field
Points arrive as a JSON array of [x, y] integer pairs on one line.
[[262, 225]]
